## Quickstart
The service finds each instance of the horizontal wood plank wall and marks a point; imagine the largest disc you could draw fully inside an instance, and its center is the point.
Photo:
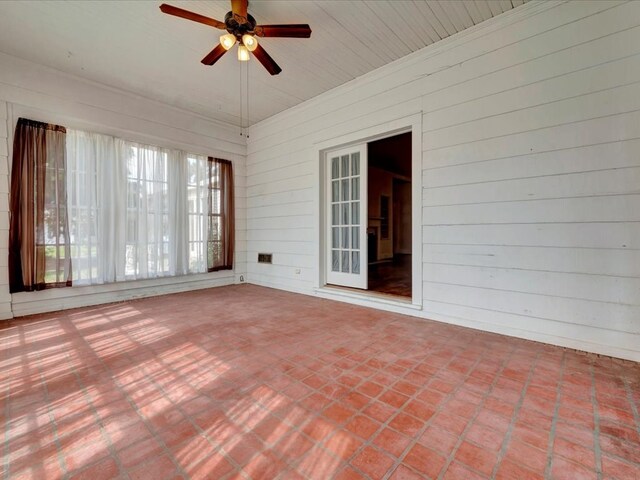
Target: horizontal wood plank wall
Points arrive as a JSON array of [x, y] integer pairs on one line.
[[530, 171], [48, 95], [5, 296]]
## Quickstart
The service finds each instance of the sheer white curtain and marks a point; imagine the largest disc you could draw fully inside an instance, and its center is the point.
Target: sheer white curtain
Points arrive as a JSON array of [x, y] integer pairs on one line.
[[93, 194], [136, 211], [112, 183], [147, 212], [178, 214], [198, 196]]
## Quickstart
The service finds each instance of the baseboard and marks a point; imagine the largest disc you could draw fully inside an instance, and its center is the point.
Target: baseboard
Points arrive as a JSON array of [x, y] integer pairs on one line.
[[62, 299], [416, 311], [541, 337]]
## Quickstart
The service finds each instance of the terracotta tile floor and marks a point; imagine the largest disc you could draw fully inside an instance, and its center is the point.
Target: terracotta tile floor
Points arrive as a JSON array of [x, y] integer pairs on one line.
[[247, 382]]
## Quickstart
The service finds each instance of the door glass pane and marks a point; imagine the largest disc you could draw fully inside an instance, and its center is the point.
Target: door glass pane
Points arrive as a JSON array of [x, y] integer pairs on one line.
[[355, 188], [345, 213], [355, 262], [335, 167], [345, 261], [335, 214], [345, 237], [345, 165], [335, 237], [335, 191], [345, 222], [345, 189]]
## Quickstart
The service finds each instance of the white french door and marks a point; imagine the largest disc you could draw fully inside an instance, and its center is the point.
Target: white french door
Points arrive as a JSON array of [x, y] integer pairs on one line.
[[346, 222]]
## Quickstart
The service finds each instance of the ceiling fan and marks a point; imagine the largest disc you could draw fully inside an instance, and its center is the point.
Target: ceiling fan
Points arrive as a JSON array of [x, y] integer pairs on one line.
[[242, 28]]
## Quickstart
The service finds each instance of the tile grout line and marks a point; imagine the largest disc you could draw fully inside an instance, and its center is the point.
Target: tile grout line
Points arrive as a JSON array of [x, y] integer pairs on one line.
[[7, 415], [194, 424], [197, 376], [338, 400], [384, 424], [130, 402], [631, 401], [413, 441], [97, 421], [203, 433], [367, 378], [596, 424], [283, 419], [227, 383], [427, 423], [516, 411], [265, 408], [554, 421], [473, 417], [297, 428], [59, 452]]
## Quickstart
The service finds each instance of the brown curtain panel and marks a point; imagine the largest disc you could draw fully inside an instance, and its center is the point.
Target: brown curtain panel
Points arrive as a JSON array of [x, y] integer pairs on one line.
[[39, 250], [221, 237]]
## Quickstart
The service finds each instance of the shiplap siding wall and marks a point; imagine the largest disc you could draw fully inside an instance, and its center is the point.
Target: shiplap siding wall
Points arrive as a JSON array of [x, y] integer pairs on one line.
[[530, 170], [5, 297], [41, 93]]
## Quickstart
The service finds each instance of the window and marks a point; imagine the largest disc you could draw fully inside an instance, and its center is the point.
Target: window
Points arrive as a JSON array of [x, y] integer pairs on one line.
[[214, 239], [147, 215], [197, 184], [82, 204], [221, 232], [140, 211], [39, 250], [52, 228], [116, 210]]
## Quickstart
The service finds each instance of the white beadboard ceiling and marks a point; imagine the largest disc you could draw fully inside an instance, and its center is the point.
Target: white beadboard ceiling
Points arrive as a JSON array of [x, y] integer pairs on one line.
[[131, 45]]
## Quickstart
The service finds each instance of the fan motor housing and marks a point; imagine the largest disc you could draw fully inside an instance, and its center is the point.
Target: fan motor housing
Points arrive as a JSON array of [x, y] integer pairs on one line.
[[236, 27]]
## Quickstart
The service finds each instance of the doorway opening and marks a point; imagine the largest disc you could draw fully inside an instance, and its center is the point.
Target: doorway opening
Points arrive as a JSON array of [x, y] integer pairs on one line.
[[369, 216], [389, 231]]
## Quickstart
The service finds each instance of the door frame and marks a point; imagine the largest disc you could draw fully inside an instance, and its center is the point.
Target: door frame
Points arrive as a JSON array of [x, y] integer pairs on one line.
[[408, 123]]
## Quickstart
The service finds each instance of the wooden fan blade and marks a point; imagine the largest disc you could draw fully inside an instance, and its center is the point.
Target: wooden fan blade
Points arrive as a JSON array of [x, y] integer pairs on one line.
[[239, 7], [194, 17], [214, 55], [267, 62], [301, 30]]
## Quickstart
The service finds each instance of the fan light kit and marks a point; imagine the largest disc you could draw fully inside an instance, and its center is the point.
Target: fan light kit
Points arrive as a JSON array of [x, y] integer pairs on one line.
[[242, 29], [227, 41]]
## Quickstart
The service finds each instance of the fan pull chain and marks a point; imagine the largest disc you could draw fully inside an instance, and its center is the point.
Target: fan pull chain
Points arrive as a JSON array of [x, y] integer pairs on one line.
[[244, 129], [246, 133], [241, 109]]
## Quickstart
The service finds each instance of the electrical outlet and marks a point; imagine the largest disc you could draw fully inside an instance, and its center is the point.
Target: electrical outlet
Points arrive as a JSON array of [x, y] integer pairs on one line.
[[242, 278], [297, 271]]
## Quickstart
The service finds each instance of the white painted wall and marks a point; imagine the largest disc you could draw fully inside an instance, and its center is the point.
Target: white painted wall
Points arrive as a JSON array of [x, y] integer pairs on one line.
[[41, 93], [530, 170], [5, 296]]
